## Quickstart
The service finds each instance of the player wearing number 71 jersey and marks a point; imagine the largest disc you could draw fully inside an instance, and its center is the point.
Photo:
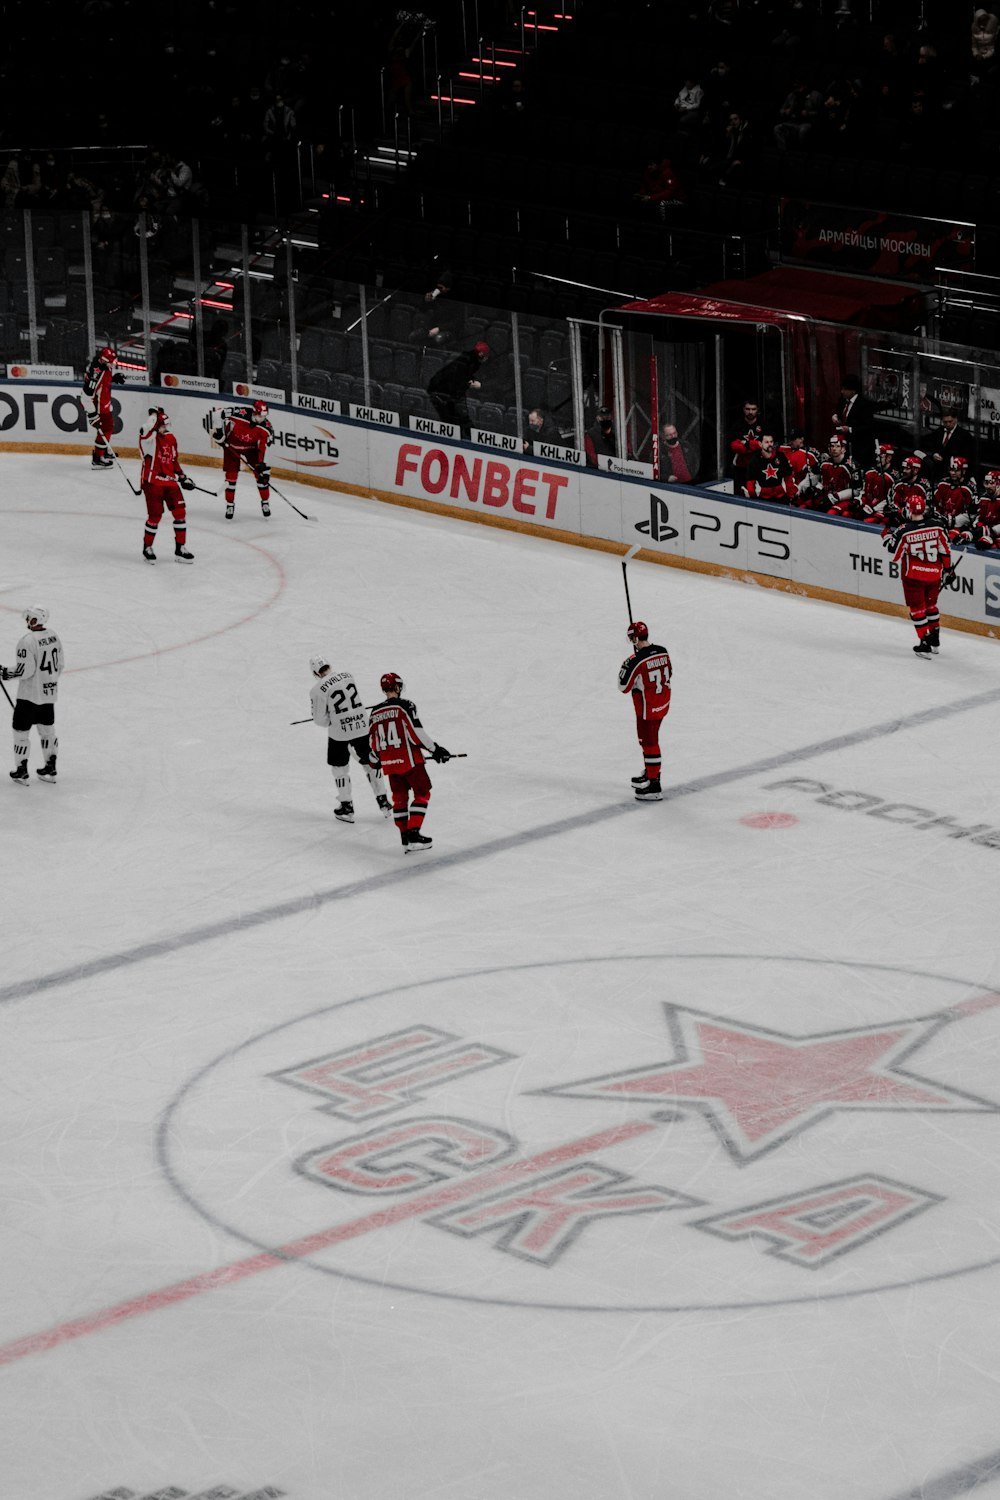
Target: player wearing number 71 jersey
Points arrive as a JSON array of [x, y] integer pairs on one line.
[[337, 708], [39, 667], [646, 675], [399, 740]]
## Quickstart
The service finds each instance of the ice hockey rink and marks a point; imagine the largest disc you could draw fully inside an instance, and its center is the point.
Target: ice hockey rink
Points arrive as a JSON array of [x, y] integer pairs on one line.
[[606, 1152]]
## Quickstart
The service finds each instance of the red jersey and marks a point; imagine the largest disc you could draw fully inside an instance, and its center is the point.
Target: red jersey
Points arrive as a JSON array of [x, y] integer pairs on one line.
[[398, 737], [647, 674], [839, 481], [876, 488], [244, 433], [804, 463], [922, 551], [954, 503], [161, 464], [97, 383], [988, 516]]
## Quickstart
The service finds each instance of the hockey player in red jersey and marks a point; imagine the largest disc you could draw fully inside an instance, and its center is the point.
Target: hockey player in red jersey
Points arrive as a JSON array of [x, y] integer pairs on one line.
[[398, 741], [245, 433], [877, 483], [162, 481], [839, 481], [803, 463], [909, 487], [955, 500], [768, 472], [921, 549], [98, 379], [646, 675], [986, 522]]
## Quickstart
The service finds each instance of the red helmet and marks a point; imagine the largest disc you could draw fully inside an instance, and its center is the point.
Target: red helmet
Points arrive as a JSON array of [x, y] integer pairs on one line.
[[958, 462], [483, 349], [838, 437], [912, 462], [260, 408], [993, 477], [916, 507], [886, 452], [638, 631], [160, 422], [107, 355], [391, 682]]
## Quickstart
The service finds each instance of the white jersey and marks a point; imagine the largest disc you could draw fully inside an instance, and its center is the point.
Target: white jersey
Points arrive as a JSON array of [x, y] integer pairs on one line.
[[337, 707], [39, 666]]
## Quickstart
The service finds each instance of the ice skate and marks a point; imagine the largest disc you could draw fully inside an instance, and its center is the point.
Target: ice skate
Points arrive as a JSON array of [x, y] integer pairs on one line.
[[934, 639], [650, 792], [101, 463], [20, 777], [415, 842], [384, 807], [265, 508], [923, 648], [344, 812], [149, 554], [181, 554], [48, 771], [230, 509], [641, 779]]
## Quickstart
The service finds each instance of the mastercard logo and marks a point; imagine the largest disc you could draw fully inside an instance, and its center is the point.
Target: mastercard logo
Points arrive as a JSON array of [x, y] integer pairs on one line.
[[242, 390], [170, 380], [18, 370]]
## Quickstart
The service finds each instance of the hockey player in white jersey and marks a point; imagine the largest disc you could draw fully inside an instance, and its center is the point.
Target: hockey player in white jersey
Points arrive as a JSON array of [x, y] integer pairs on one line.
[[337, 708], [40, 662]]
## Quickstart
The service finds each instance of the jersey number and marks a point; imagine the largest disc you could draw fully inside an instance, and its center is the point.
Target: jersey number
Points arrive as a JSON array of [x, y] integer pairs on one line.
[[50, 661], [340, 697], [387, 735], [657, 679]]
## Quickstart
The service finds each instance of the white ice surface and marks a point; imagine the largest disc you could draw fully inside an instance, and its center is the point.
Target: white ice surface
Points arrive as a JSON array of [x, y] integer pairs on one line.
[[147, 1141]]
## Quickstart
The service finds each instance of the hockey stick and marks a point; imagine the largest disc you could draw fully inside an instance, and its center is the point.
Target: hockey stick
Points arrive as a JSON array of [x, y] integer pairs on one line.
[[7, 695], [214, 493], [625, 562], [274, 487], [121, 471]]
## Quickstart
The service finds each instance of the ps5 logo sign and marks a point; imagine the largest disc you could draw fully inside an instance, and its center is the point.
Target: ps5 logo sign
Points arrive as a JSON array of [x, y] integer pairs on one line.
[[992, 590], [658, 527]]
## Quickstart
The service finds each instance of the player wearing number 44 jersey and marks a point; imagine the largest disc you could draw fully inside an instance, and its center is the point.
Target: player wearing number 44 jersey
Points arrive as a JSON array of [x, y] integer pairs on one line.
[[337, 708], [646, 675], [399, 740], [39, 666]]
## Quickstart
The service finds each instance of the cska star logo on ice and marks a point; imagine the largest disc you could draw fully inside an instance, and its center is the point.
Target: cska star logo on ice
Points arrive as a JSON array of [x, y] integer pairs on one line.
[[652, 1132], [759, 1088]]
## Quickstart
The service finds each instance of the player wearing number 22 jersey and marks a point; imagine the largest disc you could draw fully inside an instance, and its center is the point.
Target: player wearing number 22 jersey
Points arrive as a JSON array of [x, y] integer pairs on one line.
[[399, 740], [646, 675], [337, 708]]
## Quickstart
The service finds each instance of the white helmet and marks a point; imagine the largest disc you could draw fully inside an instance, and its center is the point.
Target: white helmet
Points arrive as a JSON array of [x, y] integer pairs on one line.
[[36, 615], [319, 664]]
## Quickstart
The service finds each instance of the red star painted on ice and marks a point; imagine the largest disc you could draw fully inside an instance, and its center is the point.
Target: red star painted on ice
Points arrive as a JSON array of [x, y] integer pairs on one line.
[[758, 1088]]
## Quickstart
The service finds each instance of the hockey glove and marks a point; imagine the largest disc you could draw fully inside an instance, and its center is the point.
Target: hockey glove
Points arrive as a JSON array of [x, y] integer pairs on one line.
[[95, 420], [186, 483], [889, 541], [440, 754], [374, 761], [262, 474]]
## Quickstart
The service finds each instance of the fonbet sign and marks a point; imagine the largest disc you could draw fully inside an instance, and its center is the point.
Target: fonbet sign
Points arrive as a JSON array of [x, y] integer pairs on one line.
[[721, 1133]]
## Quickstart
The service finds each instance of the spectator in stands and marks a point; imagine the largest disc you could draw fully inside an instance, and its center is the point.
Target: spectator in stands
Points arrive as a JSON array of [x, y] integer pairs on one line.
[[855, 419], [541, 428], [674, 468], [450, 386], [278, 124], [687, 105], [985, 26], [398, 73], [660, 186], [949, 440], [732, 163], [797, 116], [744, 440], [600, 440]]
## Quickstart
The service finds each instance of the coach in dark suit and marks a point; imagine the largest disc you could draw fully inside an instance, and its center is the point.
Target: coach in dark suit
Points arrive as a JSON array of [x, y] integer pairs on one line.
[[943, 445], [856, 415]]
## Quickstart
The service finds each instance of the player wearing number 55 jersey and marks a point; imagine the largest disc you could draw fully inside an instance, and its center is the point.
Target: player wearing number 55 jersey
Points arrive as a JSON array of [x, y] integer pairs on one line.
[[399, 740], [646, 675], [39, 667], [924, 558], [337, 708]]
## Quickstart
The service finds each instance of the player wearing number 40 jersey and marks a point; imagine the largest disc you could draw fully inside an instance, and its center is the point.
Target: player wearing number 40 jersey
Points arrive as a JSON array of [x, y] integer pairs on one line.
[[337, 708], [39, 666], [399, 740], [646, 675]]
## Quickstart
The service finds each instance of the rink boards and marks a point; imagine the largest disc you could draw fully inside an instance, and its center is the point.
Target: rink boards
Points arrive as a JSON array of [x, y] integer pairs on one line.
[[678, 525]]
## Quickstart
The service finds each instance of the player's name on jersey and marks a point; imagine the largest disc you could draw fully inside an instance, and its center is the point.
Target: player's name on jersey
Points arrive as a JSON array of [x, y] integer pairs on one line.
[[633, 466], [189, 382], [433, 427], [39, 372], [324, 404], [375, 414], [247, 392], [557, 452], [503, 440]]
